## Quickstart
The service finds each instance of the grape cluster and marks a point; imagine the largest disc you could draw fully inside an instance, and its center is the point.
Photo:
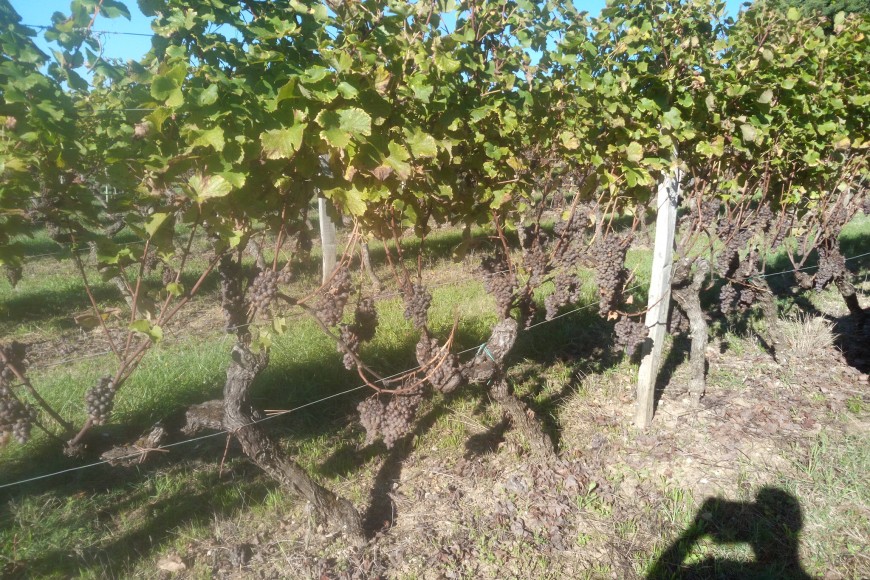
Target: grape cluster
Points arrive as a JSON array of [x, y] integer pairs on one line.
[[630, 334], [264, 290], [168, 275], [527, 308], [349, 345], [499, 281], [535, 257], [608, 255], [16, 418], [445, 378], [390, 421], [150, 261], [99, 400], [832, 264], [417, 302], [765, 217], [13, 273], [362, 330], [735, 237], [232, 297], [330, 306], [678, 322], [16, 354], [567, 292], [728, 299], [365, 319], [709, 211], [570, 233]]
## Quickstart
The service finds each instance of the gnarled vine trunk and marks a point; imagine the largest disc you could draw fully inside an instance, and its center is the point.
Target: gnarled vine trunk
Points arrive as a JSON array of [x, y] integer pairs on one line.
[[850, 296], [687, 292], [488, 367], [240, 419]]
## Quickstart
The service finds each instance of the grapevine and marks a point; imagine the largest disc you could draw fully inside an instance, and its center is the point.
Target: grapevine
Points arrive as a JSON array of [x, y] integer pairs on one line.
[[330, 305], [417, 302]]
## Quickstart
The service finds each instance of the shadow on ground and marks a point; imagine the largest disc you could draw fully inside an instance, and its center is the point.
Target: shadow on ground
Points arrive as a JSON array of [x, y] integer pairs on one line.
[[770, 526]]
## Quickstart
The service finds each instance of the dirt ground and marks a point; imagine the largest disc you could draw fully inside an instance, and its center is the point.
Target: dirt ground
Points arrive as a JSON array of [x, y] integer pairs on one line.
[[618, 497]]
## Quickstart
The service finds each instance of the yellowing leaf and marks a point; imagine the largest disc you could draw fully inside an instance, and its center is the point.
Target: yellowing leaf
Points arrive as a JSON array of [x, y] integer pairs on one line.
[[634, 151], [422, 144], [282, 143], [206, 187]]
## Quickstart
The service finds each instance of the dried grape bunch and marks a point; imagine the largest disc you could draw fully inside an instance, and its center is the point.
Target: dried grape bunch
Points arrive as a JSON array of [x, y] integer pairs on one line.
[[567, 292], [765, 217], [417, 302], [832, 264], [630, 334], [536, 260], [16, 418], [734, 238], [99, 401], [728, 298], [16, 354], [150, 261], [570, 232], [499, 281], [527, 309], [264, 290], [678, 322], [285, 276], [233, 302], [168, 275], [390, 421], [446, 375], [330, 306], [365, 319], [349, 345], [371, 414], [398, 417], [13, 273], [608, 256]]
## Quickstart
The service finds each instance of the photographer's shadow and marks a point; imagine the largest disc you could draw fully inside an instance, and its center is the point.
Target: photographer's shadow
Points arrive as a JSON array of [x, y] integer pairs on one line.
[[770, 525]]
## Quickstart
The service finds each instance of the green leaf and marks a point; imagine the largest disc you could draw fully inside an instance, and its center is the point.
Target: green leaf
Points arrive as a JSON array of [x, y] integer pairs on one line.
[[155, 222], [282, 143], [355, 121], [142, 326], [175, 289], [749, 133], [446, 63], [398, 160], [766, 97], [209, 96], [422, 144], [205, 187], [672, 119], [213, 138], [793, 14], [347, 200], [569, 140], [634, 151]]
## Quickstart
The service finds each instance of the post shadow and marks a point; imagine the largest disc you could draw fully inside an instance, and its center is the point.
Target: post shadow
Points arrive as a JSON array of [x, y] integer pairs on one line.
[[770, 525]]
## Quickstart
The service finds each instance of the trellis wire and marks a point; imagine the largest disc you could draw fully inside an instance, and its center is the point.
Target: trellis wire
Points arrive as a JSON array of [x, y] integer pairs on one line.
[[334, 395]]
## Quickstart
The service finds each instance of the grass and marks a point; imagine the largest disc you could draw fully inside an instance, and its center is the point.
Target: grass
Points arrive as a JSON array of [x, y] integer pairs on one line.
[[107, 522]]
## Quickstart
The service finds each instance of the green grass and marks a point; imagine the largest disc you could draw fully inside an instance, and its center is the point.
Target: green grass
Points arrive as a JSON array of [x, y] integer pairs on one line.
[[115, 522]]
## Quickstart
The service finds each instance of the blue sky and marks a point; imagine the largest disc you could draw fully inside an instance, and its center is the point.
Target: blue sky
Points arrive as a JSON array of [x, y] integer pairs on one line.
[[38, 12]]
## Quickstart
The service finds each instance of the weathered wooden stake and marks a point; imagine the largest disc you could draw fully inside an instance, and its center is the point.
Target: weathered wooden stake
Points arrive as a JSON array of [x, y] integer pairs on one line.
[[327, 238], [659, 297]]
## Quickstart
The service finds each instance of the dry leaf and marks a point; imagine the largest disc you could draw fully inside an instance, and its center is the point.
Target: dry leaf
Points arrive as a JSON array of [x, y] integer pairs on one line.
[[630, 299], [612, 315], [171, 563]]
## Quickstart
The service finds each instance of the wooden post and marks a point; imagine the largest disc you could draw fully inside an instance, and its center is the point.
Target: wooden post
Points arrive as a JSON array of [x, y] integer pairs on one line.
[[659, 297], [327, 238]]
